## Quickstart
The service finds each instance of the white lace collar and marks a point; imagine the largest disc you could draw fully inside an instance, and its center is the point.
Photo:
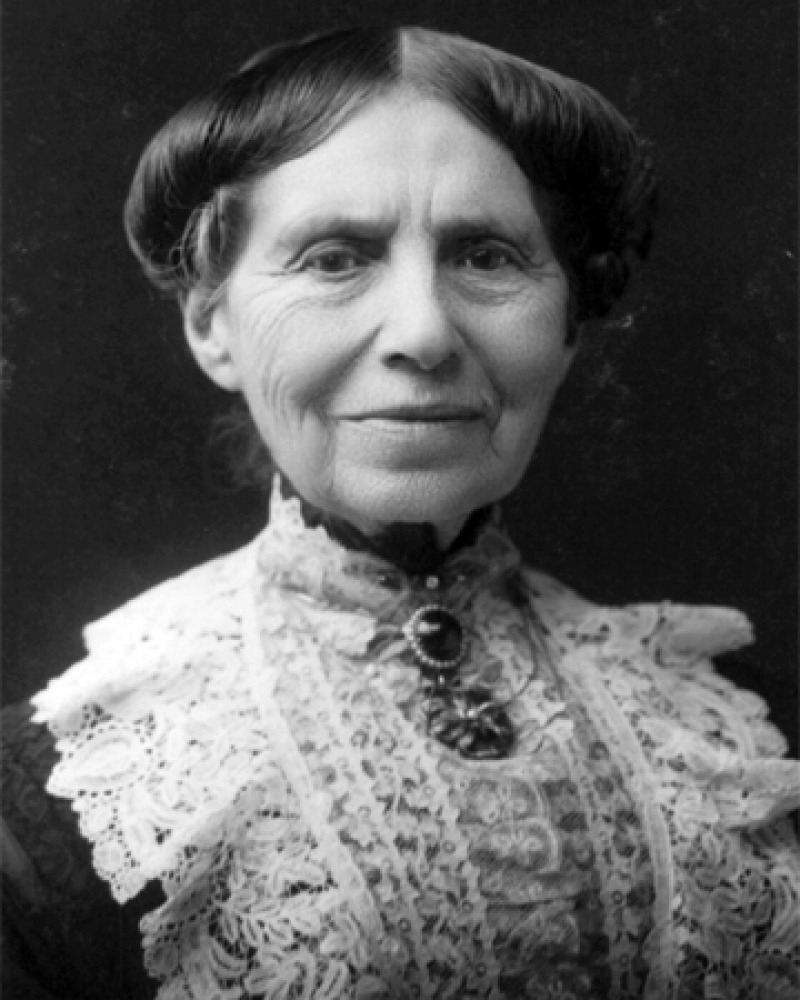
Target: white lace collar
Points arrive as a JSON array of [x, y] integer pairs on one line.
[[306, 560], [185, 740]]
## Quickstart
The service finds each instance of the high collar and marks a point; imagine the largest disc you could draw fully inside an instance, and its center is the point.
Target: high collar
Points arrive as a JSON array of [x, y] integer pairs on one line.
[[411, 548], [330, 562]]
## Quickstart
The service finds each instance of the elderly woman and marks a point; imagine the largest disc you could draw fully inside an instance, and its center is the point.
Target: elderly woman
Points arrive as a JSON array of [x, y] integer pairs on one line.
[[372, 754]]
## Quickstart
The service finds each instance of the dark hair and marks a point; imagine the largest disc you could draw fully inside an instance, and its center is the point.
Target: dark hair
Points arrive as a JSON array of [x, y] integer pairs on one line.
[[592, 175]]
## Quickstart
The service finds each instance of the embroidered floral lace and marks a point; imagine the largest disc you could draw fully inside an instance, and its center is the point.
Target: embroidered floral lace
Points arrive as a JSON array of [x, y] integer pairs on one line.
[[252, 735]]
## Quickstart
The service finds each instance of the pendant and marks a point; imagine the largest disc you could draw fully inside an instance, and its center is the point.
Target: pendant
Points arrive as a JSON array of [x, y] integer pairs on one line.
[[436, 638], [464, 718], [469, 721]]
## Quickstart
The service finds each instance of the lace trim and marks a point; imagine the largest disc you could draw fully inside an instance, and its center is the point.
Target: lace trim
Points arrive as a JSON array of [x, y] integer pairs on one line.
[[733, 905], [312, 842], [395, 855]]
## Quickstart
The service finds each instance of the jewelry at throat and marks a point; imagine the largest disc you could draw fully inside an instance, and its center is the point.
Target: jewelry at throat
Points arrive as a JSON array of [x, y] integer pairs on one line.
[[463, 717]]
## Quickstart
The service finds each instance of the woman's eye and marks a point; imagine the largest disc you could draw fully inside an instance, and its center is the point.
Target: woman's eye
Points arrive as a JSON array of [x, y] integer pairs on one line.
[[334, 261], [487, 259]]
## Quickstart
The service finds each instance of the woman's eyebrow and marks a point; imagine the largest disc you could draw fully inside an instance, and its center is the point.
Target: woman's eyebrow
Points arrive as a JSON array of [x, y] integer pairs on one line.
[[299, 233], [520, 230], [327, 225]]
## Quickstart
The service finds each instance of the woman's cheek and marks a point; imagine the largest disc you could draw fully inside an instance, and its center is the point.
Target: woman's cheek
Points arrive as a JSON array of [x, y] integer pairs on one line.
[[293, 360], [529, 352]]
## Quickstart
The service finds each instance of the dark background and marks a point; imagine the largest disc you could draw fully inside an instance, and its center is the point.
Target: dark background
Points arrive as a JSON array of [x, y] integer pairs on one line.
[[669, 474]]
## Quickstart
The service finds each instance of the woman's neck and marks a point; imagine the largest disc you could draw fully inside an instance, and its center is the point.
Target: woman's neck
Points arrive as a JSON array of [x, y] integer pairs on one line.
[[415, 548]]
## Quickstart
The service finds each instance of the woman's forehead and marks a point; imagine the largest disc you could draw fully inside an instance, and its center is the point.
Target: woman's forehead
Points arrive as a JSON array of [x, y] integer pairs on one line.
[[399, 159]]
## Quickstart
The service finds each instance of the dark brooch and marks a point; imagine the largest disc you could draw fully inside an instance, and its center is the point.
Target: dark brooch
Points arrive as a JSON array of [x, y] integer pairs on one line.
[[437, 639], [462, 717]]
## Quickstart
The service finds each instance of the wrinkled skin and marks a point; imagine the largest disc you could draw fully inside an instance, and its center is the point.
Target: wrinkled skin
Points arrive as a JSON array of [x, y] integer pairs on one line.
[[396, 319]]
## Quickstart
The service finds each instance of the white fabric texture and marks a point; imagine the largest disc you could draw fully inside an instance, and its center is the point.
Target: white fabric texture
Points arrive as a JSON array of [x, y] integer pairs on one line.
[[252, 735]]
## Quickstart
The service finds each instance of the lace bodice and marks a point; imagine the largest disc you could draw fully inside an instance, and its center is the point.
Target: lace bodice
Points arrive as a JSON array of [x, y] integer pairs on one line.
[[252, 736]]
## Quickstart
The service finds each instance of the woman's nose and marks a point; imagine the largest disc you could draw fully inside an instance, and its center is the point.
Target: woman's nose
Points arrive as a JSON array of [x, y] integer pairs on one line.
[[418, 328]]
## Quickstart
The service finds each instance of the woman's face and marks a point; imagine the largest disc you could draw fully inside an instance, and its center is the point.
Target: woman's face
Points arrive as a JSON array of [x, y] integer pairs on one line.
[[396, 319]]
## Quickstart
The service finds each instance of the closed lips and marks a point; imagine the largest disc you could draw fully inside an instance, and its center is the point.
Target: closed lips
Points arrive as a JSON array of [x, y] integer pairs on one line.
[[420, 413]]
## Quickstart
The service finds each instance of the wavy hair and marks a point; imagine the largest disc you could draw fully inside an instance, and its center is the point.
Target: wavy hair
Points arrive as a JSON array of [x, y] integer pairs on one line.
[[591, 175]]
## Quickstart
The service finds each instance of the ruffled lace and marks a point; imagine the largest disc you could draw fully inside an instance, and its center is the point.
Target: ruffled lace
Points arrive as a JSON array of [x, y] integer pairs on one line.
[[252, 735]]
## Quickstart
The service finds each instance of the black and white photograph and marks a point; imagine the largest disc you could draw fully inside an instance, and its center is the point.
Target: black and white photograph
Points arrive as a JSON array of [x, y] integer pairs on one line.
[[400, 500]]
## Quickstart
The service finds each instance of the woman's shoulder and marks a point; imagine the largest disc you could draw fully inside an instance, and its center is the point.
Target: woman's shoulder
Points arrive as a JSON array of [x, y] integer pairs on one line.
[[655, 664], [672, 648], [191, 593], [671, 634], [153, 646]]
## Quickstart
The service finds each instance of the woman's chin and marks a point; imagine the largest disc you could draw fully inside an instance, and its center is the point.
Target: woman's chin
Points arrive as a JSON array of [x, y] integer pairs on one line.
[[445, 500]]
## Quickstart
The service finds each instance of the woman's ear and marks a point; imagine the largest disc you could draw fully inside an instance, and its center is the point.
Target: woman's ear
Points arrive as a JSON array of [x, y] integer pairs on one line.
[[570, 351], [572, 345], [210, 337]]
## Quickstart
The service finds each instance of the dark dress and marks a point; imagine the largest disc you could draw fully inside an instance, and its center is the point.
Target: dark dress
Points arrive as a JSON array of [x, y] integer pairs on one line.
[[63, 934], [253, 736]]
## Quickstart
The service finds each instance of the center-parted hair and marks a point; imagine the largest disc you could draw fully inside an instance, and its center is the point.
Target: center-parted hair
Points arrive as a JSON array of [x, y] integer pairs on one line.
[[591, 175]]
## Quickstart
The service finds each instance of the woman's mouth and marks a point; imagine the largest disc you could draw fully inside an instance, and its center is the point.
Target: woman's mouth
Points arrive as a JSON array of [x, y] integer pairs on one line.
[[415, 437], [428, 414]]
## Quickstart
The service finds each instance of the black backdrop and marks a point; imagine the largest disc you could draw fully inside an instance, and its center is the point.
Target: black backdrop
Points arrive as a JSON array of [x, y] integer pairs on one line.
[[671, 473]]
